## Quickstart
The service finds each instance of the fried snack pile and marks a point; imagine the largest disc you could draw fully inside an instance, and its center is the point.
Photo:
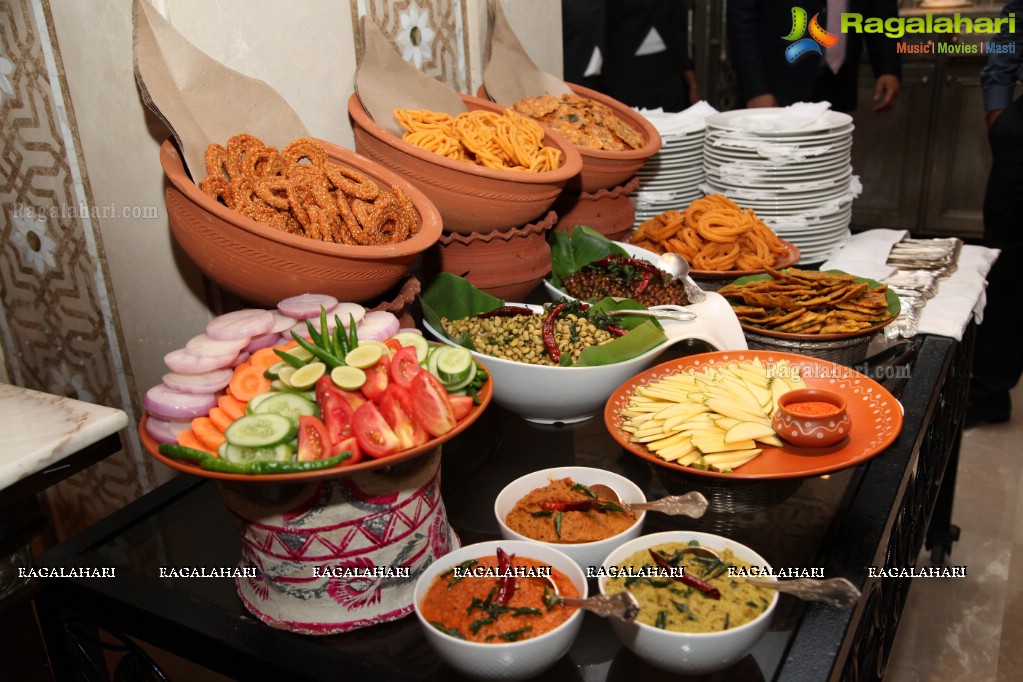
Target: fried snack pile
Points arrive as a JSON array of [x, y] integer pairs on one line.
[[809, 302], [584, 122], [713, 234], [502, 141], [300, 191]]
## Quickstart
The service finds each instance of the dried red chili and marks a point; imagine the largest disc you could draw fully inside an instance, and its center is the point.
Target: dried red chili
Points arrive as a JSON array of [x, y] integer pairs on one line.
[[547, 328], [686, 579], [581, 505], [506, 588], [506, 311]]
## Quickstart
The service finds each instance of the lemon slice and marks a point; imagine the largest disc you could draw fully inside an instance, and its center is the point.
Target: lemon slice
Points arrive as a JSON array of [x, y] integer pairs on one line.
[[364, 356], [348, 378], [305, 377], [285, 374]]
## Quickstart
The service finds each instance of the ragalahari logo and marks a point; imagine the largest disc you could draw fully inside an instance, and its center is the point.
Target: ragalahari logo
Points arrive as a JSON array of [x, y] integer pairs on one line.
[[802, 46]]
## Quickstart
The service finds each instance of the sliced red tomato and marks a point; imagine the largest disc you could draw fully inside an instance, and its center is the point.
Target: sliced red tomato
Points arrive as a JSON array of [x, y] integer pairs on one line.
[[325, 386], [404, 366], [337, 416], [430, 405], [313, 440], [374, 436], [396, 408], [394, 345], [461, 405], [351, 445], [377, 379]]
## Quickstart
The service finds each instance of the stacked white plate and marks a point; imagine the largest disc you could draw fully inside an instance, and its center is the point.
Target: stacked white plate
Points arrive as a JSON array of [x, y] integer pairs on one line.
[[671, 178], [790, 165]]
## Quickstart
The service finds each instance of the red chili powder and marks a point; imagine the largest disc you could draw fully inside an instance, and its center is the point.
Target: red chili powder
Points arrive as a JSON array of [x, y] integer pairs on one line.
[[812, 408]]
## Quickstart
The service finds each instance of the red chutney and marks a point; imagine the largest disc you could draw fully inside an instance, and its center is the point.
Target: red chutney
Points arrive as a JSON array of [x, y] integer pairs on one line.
[[467, 608], [812, 408]]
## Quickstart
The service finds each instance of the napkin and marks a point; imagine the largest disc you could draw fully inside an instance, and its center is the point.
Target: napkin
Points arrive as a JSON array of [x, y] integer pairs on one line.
[[867, 251], [960, 295], [688, 120], [791, 118]]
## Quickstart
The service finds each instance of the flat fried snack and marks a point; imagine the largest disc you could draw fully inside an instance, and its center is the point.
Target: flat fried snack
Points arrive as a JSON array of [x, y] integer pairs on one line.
[[584, 122], [713, 234], [300, 191], [505, 141], [809, 302]]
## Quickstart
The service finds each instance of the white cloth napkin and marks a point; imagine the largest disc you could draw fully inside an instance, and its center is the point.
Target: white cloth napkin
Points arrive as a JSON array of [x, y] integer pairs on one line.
[[688, 120], [866, 254], [793, 117], [960, 295]]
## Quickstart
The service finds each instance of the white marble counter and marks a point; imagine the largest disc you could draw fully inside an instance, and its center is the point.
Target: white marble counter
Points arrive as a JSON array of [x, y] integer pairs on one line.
[[38, 430]]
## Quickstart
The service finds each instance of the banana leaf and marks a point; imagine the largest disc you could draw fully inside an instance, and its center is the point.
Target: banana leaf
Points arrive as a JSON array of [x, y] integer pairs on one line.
[[453, 297], [582, 246]]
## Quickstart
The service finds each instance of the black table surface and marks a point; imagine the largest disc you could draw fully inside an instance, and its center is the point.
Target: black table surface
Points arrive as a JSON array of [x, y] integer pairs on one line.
[[838, 523]]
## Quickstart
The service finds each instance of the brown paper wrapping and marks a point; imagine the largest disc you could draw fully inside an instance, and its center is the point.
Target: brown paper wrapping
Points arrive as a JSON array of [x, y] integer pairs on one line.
[[199, 99], [508, 73]]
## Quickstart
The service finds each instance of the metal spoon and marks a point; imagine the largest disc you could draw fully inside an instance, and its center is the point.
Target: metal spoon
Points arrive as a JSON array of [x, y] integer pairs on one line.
[[692, 504], [661, 312], [622, 605], [836, 591], [674, 264]]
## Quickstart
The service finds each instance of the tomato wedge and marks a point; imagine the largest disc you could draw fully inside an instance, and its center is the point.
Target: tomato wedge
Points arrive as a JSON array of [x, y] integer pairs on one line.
[[377, 379], [396, 408], [372, 432], [404, 366], [430, 404], [461, 405], [352, 446], [337, 416], [313, 441]]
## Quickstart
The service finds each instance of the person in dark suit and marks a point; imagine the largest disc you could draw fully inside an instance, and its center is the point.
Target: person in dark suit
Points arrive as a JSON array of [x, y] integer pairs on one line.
[[998, 355], [583, 43], [766, 78]]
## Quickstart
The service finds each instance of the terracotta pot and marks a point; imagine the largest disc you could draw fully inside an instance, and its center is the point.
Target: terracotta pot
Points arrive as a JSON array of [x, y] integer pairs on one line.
[[604, 169], [812, 430], [608, 211], [264, 265], [470, 198], [302, 546], [507, 264]]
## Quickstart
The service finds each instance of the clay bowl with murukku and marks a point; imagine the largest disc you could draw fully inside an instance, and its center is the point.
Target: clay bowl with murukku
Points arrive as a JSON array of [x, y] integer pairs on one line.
[[602, 168], [264, 265], [470, 198]]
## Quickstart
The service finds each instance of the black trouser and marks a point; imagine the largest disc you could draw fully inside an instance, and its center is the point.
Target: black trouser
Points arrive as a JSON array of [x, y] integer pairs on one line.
[[998, 359]]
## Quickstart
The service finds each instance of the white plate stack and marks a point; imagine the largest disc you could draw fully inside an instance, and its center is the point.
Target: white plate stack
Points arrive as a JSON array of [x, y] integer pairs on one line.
[[672, 177], [791, 166]]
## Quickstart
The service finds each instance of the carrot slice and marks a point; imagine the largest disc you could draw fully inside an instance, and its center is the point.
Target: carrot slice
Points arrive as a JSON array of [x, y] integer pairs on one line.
[[206, 432], [188, 439], [264, 358], [231, 406], [220, 419], [248, 382]]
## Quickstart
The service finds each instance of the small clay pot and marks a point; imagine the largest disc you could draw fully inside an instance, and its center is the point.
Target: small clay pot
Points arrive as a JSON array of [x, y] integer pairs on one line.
[[608, 211], [602, 169], [811, 430], [264, 265], [507, 264], [470, 198]]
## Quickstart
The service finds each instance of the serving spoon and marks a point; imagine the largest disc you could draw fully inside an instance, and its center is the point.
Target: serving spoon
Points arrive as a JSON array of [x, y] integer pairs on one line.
[[622, 605], [836, 591], [661, 312], [692, 504], [673, 264]]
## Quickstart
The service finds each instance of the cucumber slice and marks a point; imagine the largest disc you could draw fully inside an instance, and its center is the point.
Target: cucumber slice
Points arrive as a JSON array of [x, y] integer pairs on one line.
[[454, 365], [306, 377], [287, 404], [260, 430], [250, 408], [348, 378], [242, 455], [460, 386], [412, 339], [365, 356]]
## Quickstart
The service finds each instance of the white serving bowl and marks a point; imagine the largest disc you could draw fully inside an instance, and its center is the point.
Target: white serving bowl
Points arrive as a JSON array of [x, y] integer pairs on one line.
[[684, 652], [585, 554], [547, 394], [504, 660]]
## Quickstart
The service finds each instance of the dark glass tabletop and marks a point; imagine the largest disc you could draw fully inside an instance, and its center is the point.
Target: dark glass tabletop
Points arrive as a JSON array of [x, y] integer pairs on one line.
[[836, 523]]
